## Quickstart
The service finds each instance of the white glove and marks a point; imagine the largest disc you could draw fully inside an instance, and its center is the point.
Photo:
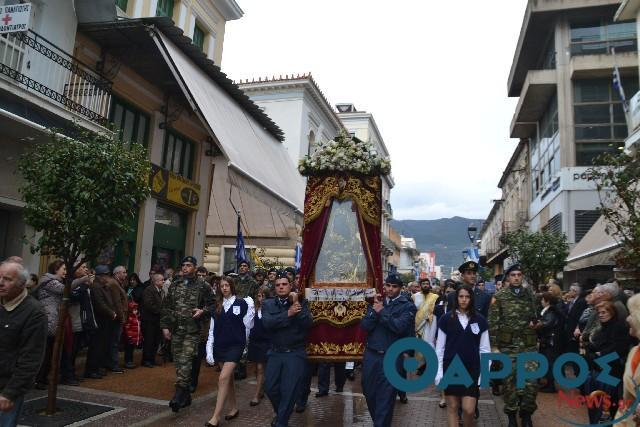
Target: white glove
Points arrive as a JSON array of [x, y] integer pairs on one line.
[[439, 376], [209, 346]]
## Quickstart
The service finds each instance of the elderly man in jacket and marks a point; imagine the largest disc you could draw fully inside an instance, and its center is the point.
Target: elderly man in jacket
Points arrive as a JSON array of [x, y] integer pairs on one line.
[[22, 342]]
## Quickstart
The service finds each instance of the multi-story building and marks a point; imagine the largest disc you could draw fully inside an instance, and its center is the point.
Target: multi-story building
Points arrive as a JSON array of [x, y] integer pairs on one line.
[[363, 126], [408, 255], [160, 91], [510, 212], [301, 110], [568, 109], [203, 21]]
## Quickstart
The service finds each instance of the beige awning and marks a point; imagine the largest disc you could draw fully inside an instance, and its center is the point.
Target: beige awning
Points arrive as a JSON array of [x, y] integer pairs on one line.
[[596, 248]]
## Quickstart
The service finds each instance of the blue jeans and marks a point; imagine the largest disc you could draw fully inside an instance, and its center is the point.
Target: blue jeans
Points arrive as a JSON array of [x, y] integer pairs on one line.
[[10, 419]]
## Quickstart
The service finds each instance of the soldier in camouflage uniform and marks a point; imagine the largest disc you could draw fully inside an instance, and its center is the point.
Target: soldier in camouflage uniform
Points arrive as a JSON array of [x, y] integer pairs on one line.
[[246, 286], [188, 301], [511, 318]]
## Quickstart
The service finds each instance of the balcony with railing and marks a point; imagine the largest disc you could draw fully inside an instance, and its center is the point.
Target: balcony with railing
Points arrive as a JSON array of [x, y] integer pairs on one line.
[[40, 67]]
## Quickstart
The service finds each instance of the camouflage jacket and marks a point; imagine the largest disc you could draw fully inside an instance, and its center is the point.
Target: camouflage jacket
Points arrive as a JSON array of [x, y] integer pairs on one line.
[[246, 286], [185, 295], [509, 317]]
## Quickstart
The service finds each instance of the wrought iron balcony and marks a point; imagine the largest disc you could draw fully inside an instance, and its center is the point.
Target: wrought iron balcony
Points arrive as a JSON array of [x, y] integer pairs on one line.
[[44, 69]]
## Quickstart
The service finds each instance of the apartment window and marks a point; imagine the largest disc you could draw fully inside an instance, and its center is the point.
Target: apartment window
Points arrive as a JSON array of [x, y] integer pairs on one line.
[[178, 154], [554, 225], [584, 220], [600, 124], [548, 60], [198, 37], [131, 122], [165, 8], [122, 4], [600, 37], [545, 149]]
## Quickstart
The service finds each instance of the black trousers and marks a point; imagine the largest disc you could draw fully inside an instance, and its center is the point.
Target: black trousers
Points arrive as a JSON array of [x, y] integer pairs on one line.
[[151, 335], [197, 362], [97, 352]]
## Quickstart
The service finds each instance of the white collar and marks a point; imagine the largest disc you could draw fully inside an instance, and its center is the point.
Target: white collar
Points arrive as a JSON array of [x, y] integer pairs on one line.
[[544, 310], [11, 305], [228, 302]]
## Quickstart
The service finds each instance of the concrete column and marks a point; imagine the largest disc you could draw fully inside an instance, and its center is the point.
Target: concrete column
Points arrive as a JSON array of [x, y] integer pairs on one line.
[[147, 214], [565, 93]]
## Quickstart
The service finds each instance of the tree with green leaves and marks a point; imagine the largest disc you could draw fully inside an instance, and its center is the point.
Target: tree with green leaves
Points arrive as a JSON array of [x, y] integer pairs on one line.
[[618, 187], [81, 193], [541, 254]]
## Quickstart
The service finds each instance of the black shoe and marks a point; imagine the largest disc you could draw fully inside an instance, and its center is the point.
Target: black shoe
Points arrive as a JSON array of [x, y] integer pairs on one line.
[[41, 386], [495, 390], [192, 388], [339, 389], [117, 370], [322, 394], [513, 422], [208, 424], [130, 365], [71, 381], [477, 414], [274, 421], [93, 375], [403, 398], [230, 417], [174, 403], [148, 364], [299, 410], [186, 401], [351, 376], [525, 417]]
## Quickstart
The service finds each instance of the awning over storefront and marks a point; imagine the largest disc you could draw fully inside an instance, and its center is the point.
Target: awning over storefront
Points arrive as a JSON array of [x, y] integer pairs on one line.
[[258, 162], [597, 248]]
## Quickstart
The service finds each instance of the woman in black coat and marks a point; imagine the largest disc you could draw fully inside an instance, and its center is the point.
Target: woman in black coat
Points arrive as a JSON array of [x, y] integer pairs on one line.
[[548, 328], [611, 336]]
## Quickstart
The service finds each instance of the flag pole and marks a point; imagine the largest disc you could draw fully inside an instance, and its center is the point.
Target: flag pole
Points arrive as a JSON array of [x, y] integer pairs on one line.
[[617, 84]]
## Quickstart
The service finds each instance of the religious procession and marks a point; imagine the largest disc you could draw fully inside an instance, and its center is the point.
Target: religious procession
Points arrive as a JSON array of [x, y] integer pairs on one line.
[[187, 241]]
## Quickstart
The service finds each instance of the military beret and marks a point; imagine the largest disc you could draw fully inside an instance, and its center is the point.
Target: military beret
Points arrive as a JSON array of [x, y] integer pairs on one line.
[[243, 262], [393, 279], [290, 270], [190, 259], [282, 274], [514, 267], [102, 269], [480, 280], [273, 270], [468, 266]]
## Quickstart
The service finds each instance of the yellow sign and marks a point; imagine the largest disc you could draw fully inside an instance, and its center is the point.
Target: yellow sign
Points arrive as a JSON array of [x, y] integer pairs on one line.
[[183, 192]]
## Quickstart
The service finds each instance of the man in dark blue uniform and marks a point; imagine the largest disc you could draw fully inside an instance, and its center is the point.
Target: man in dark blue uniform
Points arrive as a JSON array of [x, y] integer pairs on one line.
[[469, 274], [287, 319], [388, 319]]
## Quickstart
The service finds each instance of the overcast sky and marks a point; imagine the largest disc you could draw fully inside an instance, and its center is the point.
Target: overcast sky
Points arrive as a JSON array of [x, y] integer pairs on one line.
[[434, 75]]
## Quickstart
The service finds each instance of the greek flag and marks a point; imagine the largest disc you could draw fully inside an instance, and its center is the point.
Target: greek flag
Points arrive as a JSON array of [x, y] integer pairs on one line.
[[298, 258], [617, 85], [241, 255]]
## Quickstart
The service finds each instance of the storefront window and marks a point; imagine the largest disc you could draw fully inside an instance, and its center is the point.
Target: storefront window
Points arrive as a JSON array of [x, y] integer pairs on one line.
[[169, 236]]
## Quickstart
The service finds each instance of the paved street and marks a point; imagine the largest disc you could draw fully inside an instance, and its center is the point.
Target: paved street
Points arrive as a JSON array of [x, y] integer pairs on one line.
[[140, 397]]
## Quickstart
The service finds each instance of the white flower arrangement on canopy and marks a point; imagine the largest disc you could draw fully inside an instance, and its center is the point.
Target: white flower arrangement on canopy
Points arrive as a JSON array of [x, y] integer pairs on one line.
[[345, 154]]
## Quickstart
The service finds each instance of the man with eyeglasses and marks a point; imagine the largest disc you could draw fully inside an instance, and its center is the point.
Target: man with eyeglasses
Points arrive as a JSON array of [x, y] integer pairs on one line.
[[511, 321], [388, 319], [287, 319], [188, 301]]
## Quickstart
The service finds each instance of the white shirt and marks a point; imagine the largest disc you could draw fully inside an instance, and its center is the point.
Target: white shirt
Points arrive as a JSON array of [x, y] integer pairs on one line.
[[485, 345]]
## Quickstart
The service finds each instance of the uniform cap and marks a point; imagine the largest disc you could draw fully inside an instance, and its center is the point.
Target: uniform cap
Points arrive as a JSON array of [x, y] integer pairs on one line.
[[514, 267], [468, 266], [190, 259], [102, 269], [393, 279]]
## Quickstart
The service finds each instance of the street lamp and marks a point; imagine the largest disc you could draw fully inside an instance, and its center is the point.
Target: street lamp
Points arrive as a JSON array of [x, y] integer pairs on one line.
[[472, 231]]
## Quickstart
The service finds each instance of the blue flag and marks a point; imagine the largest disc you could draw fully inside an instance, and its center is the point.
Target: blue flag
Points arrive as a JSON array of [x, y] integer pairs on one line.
[[240, 251], [298, 257]]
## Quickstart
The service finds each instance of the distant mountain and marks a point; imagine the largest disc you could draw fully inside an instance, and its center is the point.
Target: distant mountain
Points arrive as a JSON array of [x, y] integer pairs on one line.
[[447, 237]]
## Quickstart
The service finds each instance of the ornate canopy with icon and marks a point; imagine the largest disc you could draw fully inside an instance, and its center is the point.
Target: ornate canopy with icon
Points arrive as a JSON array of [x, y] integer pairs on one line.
[[341, 263]]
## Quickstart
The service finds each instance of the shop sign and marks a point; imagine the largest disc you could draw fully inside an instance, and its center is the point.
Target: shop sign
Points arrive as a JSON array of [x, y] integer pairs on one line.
[[15, 18], [172, 188]]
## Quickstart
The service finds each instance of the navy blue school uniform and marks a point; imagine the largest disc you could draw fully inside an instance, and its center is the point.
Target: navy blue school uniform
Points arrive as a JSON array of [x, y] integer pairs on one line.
[[258, 342], [465, 343], [287, 357], [230, 336], [396, 320]]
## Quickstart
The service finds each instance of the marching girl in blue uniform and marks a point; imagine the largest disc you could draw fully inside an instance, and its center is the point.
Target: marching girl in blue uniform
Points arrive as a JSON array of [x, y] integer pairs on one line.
[[230, 325], [464, 333], [259, 344]]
